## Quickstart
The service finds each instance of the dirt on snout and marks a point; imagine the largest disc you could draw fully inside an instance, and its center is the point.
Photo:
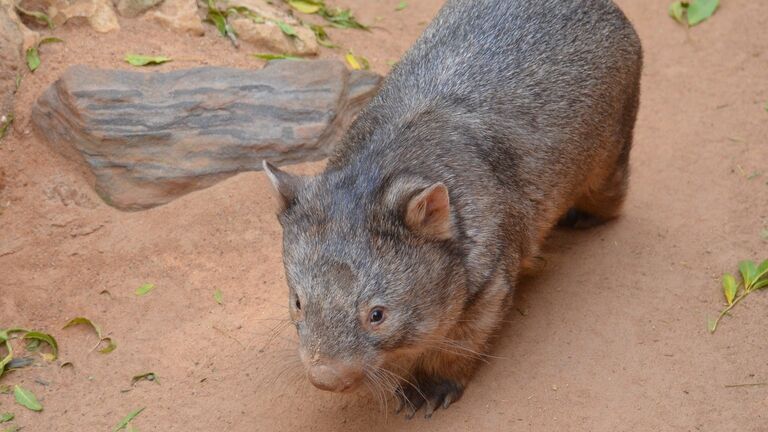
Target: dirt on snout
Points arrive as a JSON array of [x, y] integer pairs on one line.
[[610, 337]]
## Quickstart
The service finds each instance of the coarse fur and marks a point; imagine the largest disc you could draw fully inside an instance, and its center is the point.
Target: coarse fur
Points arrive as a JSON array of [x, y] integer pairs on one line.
[[523, 111]]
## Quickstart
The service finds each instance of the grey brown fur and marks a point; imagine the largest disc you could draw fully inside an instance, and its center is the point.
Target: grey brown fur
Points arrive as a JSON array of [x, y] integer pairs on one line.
[[524, 110]]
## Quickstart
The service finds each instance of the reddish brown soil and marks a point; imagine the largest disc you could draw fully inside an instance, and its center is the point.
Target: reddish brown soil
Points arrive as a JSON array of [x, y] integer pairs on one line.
[[611, 337]]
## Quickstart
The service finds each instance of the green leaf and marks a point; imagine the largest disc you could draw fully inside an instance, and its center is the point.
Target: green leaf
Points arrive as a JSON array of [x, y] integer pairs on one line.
[[33, 59], [244, 11], [748, 270], [342, 19], [700, 10], [8, 357], [6, 417], [357, 62], [268, 57], [286, 28], [40, 16], [144, 289], [218, 296], [306, 6], [26, 398], [730, 287], [44, 337], [676, 10], [49, 39], [147, 376], [127, 419], [218, 18], [400, 6], [762, 271], [322, 36], [144, 60], [14, 428]]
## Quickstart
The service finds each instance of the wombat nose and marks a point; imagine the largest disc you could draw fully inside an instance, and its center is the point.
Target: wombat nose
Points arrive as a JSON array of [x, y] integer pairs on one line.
[[334, 377]]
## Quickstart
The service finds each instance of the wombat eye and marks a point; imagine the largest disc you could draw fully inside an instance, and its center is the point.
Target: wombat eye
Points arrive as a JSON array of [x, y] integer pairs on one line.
[[298, 304], [377, 315]]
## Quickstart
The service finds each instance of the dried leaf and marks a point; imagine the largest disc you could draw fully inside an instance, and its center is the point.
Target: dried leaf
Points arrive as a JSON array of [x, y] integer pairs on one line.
[[143, 60], [148, 376], [322, 36], [5, 124], [111, 345], [40, 16], [26, 398], [127, 419]]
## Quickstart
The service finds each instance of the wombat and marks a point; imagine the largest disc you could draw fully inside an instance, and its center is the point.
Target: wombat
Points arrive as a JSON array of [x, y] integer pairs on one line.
[[505, 117]]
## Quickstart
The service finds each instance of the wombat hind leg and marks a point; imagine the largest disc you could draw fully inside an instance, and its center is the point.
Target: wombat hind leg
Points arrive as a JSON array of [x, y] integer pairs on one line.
[[599, 204]]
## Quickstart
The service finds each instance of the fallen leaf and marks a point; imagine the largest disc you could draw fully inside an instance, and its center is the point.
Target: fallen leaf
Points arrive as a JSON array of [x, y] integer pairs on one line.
[[40, 16], [33, 59], [700, 10], [6, 417], [218, 296], [402, 5], [143, 60], [730, 287], [144, 289], [286, 28], [111, 345], [44, 337], [124, 422], [148, 376], [356, 62], [306, 6], [267, 56], [322, 36], [26, 398], [676, 10]]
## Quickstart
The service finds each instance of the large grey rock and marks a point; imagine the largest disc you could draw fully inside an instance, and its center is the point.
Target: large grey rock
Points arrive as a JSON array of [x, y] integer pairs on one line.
[[10, 62], [147, 138]]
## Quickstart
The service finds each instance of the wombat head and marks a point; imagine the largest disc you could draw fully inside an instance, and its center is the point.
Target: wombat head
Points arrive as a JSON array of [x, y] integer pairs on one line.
[[373, 267]]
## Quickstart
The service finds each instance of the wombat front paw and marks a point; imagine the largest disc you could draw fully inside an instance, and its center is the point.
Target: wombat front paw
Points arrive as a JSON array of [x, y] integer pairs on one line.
[[431, 394]]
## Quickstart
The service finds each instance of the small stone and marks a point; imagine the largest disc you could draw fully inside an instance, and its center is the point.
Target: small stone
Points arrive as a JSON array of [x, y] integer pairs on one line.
[[98, 13], [144, 139], [267, 36], [134, 8], [179, 15]]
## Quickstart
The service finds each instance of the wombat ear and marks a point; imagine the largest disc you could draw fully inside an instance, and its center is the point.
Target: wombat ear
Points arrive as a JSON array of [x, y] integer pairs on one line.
[[429, 213], [285, 186]]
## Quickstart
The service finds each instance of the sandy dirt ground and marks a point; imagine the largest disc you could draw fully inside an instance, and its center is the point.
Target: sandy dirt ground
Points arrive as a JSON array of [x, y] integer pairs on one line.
[[611, 337]]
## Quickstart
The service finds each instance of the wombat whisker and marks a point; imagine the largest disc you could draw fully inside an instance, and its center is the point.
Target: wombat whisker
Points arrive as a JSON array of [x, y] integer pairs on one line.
[[378, 391]]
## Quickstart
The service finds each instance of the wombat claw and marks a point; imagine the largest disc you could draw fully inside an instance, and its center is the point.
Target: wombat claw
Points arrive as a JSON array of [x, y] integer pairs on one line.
[[431, 395]]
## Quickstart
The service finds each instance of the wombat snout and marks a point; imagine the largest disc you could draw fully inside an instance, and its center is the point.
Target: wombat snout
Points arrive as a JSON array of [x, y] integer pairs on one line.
[[335, 376]]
